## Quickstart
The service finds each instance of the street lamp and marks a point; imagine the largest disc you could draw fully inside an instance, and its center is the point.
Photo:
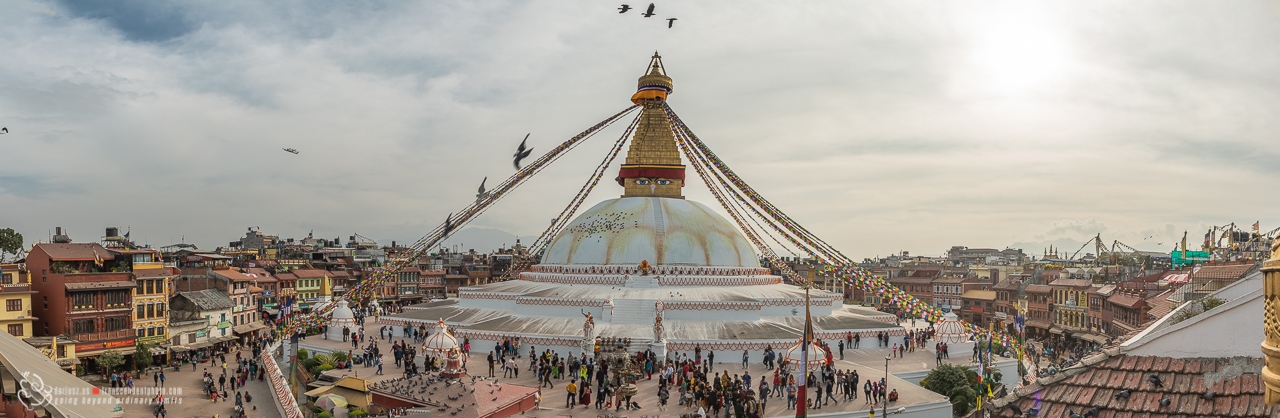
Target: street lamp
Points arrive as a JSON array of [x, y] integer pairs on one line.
[[884, 411]]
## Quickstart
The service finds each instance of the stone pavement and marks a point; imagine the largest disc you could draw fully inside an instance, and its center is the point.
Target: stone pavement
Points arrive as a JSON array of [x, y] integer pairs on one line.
[[185, 399], [868, 360]]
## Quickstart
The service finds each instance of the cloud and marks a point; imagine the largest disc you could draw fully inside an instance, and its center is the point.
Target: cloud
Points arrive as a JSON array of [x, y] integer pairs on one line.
[[1074, 226], [880, 126]]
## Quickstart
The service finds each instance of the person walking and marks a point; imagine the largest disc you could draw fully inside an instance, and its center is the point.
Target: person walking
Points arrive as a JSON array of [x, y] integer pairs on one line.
[[161, 378], [745, 356], [841, 346]]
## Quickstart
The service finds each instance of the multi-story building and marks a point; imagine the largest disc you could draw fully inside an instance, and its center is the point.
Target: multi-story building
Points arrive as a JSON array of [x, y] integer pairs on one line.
[[270, 296], [200, 318], [1128, 311], [978, 306], [407, 284], [313, 286], [946, 293], [920, 287], [1100, 312], [244, 305], [287, 283], [431, 284], [85, 294], [1039, 301], [1071, 304], [16, 293], [1007, 303], [150, 302]]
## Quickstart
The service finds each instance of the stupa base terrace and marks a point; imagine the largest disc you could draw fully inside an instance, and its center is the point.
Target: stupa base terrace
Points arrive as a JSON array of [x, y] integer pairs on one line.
[[719, 309]]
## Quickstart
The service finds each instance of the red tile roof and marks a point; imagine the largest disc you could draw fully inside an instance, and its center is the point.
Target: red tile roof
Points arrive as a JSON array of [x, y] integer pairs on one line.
[[75, 251], [311, 273], [286, 276], [1222, 272], [1236, 381], [1038, 288], [1072, 282], [1126, 300]]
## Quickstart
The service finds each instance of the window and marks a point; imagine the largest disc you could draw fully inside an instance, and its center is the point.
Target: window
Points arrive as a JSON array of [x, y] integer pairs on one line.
[[117, 298], [82, 300], [160, 330], [151, 310], [116, 323], [83, 326], [6, 279], [15, 330], [160, 309], [151, 286], [141, 313], [151, 332], [142, 332], [13, 305]]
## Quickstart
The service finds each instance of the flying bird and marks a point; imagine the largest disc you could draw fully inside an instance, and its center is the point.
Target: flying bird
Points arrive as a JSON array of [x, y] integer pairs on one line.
[[670, 21], [648, 12], [481, 194], [448, 225], [522, 153], [4, 130], [290, 150], [623, 9]]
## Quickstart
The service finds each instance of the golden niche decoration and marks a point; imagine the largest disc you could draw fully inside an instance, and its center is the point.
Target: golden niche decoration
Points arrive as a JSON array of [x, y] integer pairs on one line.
[[1271, 322]]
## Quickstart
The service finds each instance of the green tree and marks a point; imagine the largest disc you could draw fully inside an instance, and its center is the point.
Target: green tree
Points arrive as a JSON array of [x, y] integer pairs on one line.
[[142, 356], [10, 242], [956, 383], [110, 360]]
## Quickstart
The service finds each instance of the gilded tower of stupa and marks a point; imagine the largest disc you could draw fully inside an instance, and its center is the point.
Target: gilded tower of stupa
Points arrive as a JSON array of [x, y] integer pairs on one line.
[[652, 167]]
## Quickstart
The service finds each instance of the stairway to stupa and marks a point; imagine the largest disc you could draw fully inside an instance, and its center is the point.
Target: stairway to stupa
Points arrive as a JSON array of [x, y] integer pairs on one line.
[[644, 282], [633, 311]]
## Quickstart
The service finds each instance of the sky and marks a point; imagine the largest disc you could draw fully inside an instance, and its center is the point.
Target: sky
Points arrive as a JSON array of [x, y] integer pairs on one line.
[[881, 126]]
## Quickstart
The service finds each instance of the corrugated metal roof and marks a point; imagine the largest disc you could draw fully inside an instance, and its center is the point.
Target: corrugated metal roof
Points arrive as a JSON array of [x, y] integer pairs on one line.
[[208, 299]]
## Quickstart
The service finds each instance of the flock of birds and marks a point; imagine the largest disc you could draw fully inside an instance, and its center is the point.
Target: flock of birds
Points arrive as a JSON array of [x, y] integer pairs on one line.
[[423, 389], [647, 13]]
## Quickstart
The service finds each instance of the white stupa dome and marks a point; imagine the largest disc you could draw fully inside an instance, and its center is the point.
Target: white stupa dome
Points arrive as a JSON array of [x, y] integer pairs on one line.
[[950, 330], [663, 231], [341, 316]]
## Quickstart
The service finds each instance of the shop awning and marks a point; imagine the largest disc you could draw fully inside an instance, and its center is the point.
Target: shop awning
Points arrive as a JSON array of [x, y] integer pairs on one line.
[[247, 328], [1100, 339]]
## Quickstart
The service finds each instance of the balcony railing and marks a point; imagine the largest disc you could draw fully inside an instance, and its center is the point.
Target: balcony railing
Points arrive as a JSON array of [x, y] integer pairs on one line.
[[14, 288], [143, 265], [105, 335]]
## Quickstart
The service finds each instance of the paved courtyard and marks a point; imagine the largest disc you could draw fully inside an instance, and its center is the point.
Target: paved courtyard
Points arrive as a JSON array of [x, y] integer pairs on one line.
[[185, 398], [868, 360]]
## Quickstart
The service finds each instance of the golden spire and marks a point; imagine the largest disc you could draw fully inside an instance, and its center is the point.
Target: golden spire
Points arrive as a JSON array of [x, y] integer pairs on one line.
[[653, 167]]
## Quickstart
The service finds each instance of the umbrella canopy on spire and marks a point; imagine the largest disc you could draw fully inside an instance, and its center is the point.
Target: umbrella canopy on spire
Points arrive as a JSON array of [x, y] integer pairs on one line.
[[441, 340], [817, 356]]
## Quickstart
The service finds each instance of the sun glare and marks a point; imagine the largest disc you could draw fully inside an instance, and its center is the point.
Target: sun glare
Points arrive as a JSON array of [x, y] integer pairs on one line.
[[1015, 52]]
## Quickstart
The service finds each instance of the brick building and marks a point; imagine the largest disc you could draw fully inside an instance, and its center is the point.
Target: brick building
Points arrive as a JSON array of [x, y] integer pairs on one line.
[[80, 296]]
